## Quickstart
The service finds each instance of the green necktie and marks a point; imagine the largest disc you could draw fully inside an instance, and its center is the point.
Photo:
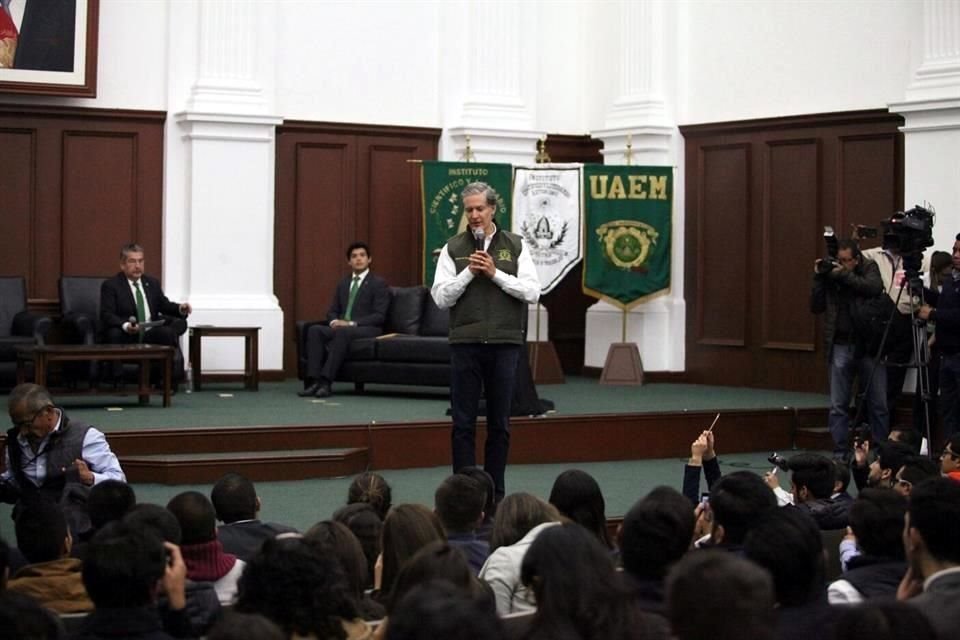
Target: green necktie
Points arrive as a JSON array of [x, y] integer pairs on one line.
[[141, 308], [353, 296]]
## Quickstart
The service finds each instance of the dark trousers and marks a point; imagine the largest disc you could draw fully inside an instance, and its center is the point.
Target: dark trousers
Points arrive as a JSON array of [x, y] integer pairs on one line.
[[327, 348], [491, 369]]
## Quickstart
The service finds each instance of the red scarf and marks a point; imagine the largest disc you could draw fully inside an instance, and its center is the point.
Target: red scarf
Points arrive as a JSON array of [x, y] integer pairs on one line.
[[206, 561]]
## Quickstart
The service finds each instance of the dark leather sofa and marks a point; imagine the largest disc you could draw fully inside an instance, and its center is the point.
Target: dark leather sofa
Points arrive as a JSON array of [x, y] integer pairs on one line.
[[413, 349]]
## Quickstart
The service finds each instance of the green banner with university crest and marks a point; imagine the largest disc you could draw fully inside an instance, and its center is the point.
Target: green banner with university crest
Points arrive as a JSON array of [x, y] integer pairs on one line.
[[441, 184], [627, 238]]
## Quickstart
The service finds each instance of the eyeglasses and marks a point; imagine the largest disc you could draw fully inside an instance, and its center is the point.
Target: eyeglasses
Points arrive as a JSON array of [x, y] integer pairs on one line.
[[28, 423], [948, 452], [906, 484]]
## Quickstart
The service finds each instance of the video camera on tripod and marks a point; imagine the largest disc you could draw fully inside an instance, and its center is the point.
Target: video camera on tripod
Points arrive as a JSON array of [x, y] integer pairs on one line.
[[910, 232]]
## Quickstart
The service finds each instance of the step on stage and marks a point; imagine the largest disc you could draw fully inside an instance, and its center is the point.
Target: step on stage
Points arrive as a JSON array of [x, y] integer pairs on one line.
[[274, 435]]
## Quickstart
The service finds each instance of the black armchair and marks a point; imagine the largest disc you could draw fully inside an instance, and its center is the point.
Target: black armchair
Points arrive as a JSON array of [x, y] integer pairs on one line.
[[17, 326]]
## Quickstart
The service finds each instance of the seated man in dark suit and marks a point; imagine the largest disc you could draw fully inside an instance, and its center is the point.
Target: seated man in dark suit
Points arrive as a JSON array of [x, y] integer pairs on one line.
[[358, 310], [237, 505], [131, 298]]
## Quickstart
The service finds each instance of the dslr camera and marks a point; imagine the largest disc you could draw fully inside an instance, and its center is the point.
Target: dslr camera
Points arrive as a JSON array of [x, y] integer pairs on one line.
[[829, 263]]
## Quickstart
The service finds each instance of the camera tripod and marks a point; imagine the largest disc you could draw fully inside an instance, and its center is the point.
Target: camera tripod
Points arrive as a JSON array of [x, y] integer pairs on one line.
[[921, 348]]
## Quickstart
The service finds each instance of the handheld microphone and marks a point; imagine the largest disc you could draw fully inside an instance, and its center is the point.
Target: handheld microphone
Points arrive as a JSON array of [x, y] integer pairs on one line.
[[478, 238], [132, 320]]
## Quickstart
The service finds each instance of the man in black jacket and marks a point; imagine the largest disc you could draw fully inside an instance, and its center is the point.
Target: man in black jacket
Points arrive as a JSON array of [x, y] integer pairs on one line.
[[839, 291], [358, 310], [947, 318]]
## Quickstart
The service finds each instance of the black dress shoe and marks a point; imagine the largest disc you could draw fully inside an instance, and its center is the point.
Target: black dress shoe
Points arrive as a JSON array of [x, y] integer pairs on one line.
[[309, 391], [323, 391]]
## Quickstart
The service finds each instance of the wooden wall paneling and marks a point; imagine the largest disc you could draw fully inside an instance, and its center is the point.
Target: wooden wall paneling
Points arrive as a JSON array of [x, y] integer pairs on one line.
[[324, 220], [723, 245], [17, 176], [389, 207], [831, 169], [790, 235], [337, 183], [92, 171]]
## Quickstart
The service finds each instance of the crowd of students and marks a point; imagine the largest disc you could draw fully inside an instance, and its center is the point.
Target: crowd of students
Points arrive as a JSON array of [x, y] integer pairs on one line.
[[748, 562]]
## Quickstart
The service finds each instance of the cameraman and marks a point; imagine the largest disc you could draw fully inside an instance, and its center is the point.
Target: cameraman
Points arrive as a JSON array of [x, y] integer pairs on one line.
[[947, 317], [839, 287], [898, 350]]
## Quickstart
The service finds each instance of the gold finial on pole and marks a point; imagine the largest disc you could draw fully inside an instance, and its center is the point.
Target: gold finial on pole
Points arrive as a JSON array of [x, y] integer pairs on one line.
[[542, 155], [628, 154], [468, 152]]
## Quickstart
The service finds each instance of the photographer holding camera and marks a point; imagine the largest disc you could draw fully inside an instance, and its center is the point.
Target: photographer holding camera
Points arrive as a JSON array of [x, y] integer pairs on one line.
[[842, 286]]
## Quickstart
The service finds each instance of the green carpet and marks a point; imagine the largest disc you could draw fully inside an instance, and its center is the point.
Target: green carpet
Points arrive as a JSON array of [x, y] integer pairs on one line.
[[277, 403]]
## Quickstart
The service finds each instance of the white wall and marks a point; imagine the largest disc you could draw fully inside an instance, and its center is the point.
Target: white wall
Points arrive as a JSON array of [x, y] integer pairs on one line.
[[756, 59]]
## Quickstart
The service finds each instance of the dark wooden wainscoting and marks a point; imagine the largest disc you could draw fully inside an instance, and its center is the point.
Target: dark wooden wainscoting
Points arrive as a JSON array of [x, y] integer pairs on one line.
[[75, 185], [567, 304], [758, 194], [337, 183]]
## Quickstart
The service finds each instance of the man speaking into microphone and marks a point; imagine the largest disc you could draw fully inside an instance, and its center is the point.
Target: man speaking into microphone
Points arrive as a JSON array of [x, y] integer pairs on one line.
[[486, 277]]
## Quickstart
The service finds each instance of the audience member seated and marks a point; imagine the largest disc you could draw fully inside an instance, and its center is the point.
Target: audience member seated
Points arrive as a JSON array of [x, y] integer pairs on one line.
[[656, 533], [245, 626], [737, 501], [52, 578], [521, 517], [713, 595], [439, 609], [346, 548], [202, 552], [914, 471], [932, 541], [109, 501], [787, 543], [52, 457], [841, 481], [490, 504], [367, 526], [372, 489], [458, 502], [950, 459], [202, 603], [437, 561], [578, 592], [237, 505], [702, 455], [882, 471], [876, 520], [908, 436], [125, 569], [301, 589], [22, 617], [814, 478], [407, 529], [577, 496], [883, 621]]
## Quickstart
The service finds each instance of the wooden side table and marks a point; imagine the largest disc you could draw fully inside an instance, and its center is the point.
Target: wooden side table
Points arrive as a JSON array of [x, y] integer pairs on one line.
[[251, 354]]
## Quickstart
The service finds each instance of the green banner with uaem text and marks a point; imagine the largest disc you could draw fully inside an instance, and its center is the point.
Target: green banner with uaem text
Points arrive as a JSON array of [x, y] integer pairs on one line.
[[627, 232], [441, 184]]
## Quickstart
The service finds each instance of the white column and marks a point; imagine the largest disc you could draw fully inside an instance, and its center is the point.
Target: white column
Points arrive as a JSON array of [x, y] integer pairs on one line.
[[931, 112], [489, 80], [641, 113], [220, 173]]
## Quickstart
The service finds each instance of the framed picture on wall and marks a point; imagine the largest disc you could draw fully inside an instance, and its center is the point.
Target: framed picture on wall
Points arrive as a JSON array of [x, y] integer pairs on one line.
[[49, 47]]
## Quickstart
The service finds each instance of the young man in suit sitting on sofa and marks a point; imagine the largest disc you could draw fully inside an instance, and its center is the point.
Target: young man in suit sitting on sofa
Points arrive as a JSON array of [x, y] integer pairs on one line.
[[358, 310]]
